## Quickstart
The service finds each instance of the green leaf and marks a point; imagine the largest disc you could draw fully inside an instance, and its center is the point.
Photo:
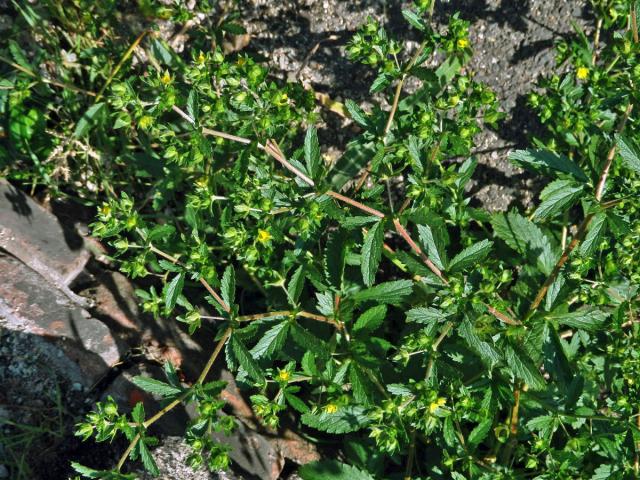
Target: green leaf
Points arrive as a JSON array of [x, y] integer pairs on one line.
[[434, 249], [414, 19], [272, 341], [334, 258], [487, 353], [312, 156], [192, 105], [629, 153], [389, 292], [94, 115], [344, 420], [596, 231], [523, 368], [371, 319], [172, 290], [470, 256], [426, 315], [589, 319], [294, 289], [296, 402], [526, 238], [147, 460], [479, 433], [558, 196], [331, 470], [245, 359], [545, 425], [363, 389], [352, 161], [228, 285], [356, 113], [545, 160], [381, 82], [137, 414], [309, 341], [371, 253], [155, 387]]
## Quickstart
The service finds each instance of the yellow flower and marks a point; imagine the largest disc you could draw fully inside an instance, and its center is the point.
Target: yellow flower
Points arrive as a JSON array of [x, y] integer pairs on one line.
[[283, 375], [201, 58], [582, 73], [462, 43], [440, 402], [145, 122], [166, 78], [331, 408], [263, 236], [105, 210]]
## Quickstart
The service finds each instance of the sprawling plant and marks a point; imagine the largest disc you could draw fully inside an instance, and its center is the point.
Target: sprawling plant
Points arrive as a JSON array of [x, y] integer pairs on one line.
[[428, 338]]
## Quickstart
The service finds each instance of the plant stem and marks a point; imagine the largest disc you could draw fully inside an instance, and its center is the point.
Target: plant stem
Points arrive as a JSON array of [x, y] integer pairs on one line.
[[355, 203], [42, 79], [124, 58], [204, 283], [582, 229], [203, 375], [414, 246]]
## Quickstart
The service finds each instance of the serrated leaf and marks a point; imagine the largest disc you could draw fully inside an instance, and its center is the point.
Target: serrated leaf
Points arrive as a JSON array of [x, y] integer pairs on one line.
[[245, 359], [296, 402], [312, 156], [558, 196], [352, 161], [192, 105], [272, 341], [479, 433], [172, 290], [362, 387], [426, 315], [155, 387], [545, 160], [356, 113], [596, 231], [414, 19], [470, 256], [433, 247], [487, 353], [381, 82], [629, 153], [526, 238], [296, 284], [171, 374], [388, 292], [358, 221], [94, 115], [523, 368], [371, 319], [589, 319], [308, 341], [545, 425], [371, 253], [147, 459], [344, 420], [137, 414], [334, 258], [331, 470], [228, 285]]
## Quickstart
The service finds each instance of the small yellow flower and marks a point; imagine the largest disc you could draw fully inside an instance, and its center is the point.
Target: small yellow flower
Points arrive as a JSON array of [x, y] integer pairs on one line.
[[582, 73], [201, 58], [263, 236], [145, 122], [440, 402], [463, 43], [283, 375], [166, 78], [331, 408], [105, 210]]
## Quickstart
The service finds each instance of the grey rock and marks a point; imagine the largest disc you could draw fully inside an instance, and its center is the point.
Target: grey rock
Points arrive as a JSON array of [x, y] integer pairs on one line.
[[33, 235]]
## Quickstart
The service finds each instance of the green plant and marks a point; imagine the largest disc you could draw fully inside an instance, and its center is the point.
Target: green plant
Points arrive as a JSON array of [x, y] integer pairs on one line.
[[432, 338]]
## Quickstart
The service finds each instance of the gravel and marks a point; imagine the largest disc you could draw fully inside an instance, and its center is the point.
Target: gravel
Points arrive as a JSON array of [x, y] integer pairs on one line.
[[513, 43]]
